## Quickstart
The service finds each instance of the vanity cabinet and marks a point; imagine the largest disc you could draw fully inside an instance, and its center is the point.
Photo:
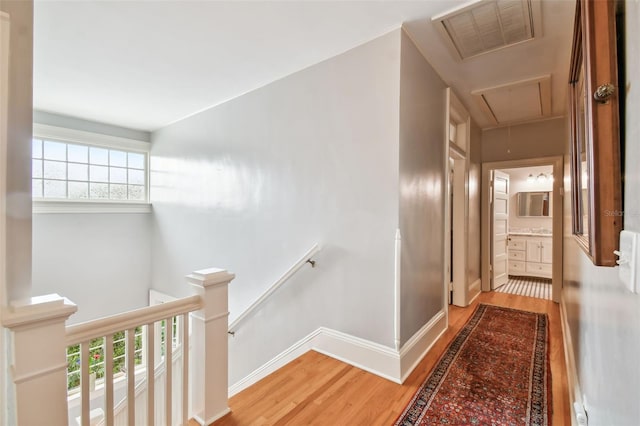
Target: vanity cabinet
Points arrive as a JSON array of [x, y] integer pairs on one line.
[[530, 255]]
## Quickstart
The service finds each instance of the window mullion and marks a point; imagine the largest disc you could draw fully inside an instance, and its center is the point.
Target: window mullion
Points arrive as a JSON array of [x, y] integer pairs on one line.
[[77, 186]]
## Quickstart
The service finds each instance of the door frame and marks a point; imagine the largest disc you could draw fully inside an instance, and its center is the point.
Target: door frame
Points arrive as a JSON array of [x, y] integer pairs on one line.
[[5, 23], [557, 223], [458, 152]]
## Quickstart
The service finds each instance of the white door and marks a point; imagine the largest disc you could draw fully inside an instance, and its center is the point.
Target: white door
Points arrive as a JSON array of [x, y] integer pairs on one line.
[[500, 225]]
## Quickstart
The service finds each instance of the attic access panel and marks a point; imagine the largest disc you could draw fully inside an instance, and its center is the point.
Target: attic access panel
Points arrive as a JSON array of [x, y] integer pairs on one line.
[[516, 102], [487, 25]]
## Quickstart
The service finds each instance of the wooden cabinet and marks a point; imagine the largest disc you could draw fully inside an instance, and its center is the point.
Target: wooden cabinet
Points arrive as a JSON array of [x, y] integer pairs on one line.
[[546, 253], [530, 255]]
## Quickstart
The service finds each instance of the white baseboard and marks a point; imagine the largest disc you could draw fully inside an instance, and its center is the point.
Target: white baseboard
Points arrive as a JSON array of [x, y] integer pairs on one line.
[[475, 289], [369, 356], [419, 344], [575, 394], [300, 347], [377, 359]]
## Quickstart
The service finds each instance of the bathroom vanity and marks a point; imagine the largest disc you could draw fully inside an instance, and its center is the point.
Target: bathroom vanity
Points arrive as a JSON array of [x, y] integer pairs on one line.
[[530, 254]]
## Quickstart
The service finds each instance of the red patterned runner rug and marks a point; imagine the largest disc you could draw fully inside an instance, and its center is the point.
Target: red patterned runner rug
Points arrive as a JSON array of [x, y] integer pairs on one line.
[[495, 372]]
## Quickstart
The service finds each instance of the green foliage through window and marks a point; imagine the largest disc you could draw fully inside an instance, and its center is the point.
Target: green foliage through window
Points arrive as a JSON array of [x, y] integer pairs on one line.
[[97, 354]]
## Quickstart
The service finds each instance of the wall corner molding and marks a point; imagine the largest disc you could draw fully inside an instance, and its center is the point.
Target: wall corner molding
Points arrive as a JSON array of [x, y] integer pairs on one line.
[[375, 358], [575, 394], [420, 343]]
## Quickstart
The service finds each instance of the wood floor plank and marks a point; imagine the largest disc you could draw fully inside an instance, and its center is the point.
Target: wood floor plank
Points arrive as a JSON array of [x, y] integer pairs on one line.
[[319, 390]]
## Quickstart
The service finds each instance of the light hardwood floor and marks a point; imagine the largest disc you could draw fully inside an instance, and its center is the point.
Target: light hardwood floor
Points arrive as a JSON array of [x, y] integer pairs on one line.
[[316, 389]]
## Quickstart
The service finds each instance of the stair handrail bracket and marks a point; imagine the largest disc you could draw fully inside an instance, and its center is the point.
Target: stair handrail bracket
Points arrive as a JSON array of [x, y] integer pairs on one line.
[[307, 258]]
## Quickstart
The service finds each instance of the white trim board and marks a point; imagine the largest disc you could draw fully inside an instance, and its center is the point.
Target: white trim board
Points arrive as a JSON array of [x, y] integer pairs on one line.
[[417, 346], [302, 346], [575, 394], [5, 23], [88, 206], [369, 356], [475, 288], [377, 359], [63, 134]]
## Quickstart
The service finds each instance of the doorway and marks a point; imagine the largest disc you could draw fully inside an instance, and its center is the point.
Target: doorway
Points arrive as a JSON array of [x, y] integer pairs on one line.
[[532, 230], [456, 287], [525, 237]]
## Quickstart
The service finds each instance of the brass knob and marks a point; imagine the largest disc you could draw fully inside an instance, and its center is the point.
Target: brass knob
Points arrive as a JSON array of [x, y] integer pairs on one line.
[[603, 93]]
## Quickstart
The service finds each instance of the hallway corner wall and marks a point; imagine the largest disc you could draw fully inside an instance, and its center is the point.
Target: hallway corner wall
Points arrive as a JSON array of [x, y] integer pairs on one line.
[[422, 189]]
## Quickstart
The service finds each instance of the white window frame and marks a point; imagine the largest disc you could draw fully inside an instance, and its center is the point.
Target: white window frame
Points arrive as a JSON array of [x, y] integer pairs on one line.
[[65, 135]]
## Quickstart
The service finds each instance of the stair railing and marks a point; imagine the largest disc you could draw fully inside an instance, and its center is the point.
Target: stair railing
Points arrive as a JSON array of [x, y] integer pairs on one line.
[[40, 366], [306, 258]]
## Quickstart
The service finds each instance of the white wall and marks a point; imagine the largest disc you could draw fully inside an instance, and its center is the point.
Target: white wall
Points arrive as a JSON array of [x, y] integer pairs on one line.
[[422, 166], [533, 140], [252, 184], [604, 318], [101, 262], [518, 183]]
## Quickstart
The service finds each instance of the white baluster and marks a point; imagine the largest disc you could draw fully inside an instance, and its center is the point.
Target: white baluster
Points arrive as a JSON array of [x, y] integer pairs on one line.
[[108, 379], [84, 383], [150, 348], [131, 376], [168, 369], [185, 369]]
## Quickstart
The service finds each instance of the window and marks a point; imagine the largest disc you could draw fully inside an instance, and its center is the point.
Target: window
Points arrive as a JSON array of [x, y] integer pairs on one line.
[[77, 171], [81, 172]]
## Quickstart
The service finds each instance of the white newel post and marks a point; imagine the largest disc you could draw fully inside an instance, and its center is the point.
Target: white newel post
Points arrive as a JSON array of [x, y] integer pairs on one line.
[[208, 357], [40, 358]]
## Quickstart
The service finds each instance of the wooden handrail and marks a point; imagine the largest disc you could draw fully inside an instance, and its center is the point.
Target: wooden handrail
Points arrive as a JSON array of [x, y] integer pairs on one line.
[[100, 327], [306, 258]]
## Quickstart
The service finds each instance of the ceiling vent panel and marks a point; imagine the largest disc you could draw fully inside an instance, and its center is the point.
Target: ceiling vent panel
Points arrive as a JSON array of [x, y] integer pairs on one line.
[[487, 25], [516, 102]]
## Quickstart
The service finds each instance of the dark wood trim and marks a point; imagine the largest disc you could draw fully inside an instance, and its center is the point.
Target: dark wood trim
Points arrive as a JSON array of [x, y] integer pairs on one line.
[[595, 37]]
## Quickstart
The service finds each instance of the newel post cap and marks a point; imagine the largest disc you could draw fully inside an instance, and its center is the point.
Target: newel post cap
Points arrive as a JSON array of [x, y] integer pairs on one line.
[[210, 277], [37, 310]]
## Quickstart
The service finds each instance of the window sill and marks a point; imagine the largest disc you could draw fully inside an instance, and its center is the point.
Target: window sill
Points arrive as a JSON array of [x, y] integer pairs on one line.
[[61, 206]]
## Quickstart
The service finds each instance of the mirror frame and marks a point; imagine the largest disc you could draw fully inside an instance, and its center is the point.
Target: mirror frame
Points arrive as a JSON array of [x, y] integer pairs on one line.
[[522, 194], [594, 47]]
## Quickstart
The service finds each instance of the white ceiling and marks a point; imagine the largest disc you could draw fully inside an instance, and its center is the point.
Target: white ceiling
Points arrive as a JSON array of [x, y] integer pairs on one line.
[[146, 64]]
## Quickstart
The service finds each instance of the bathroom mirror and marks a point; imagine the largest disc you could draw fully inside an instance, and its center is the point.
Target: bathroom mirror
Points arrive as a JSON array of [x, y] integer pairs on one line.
[[533, 204]]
